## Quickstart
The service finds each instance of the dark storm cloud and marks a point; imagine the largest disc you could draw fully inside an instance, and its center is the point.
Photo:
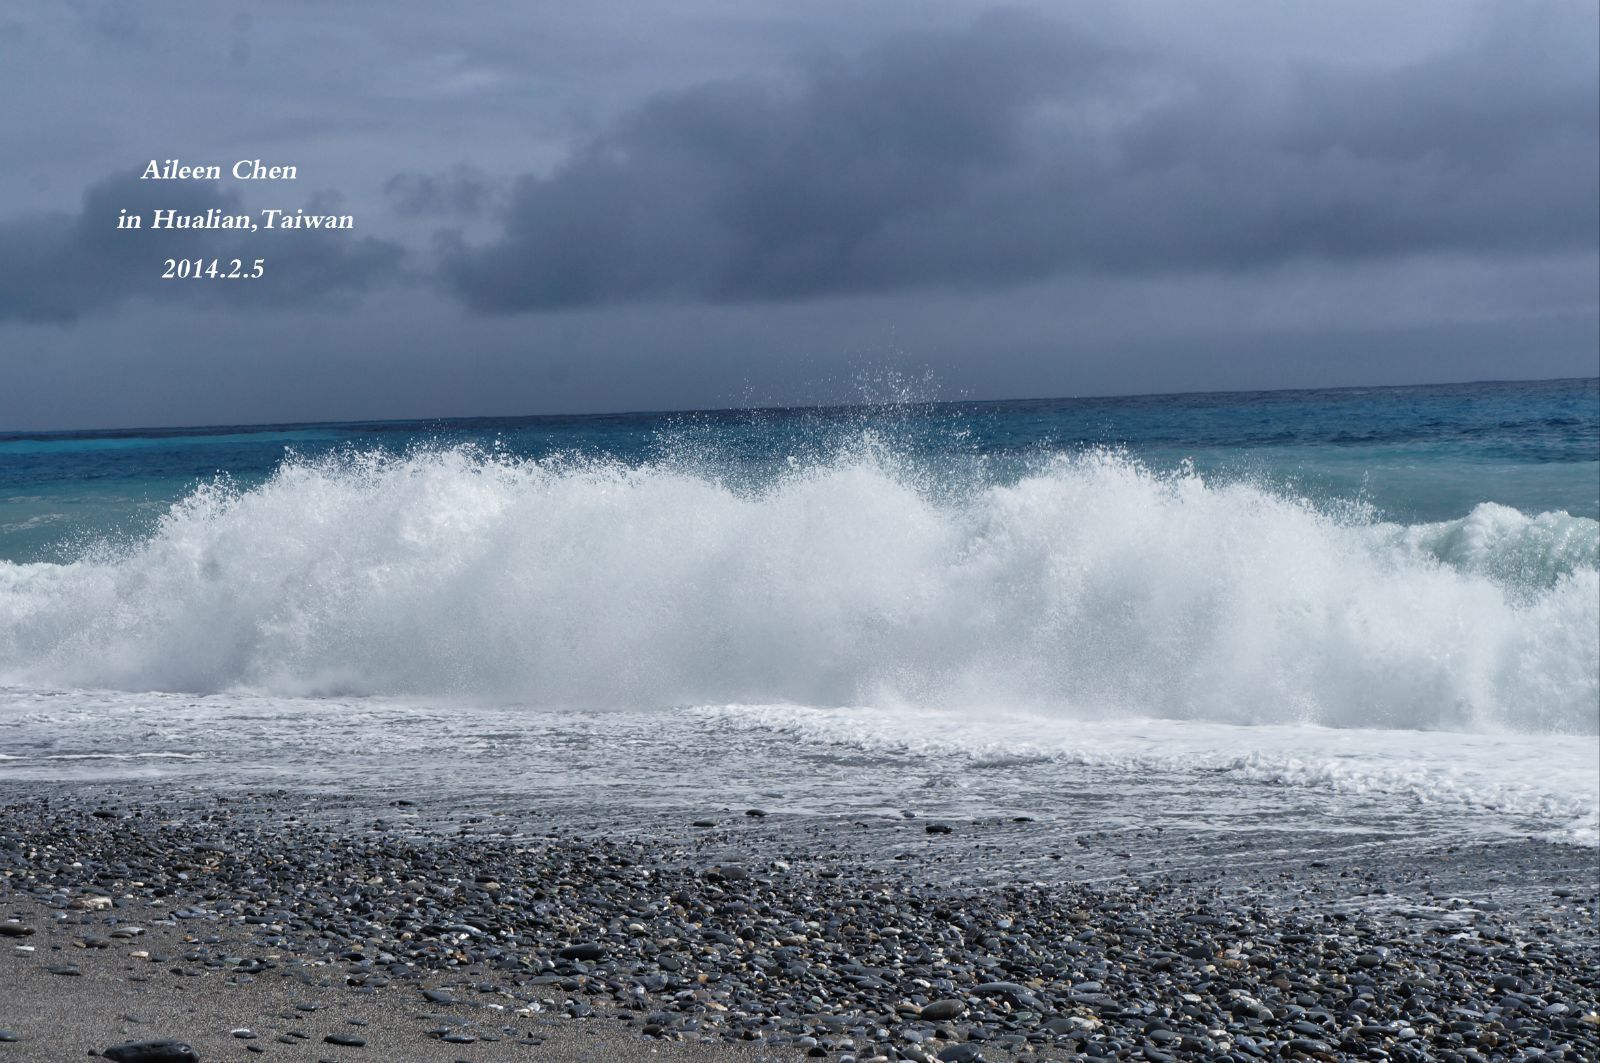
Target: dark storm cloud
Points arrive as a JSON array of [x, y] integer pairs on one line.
[[57, 267], [1020, 149]]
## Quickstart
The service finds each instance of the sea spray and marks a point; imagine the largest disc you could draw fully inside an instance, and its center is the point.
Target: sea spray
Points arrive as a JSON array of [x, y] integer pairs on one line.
[[1091, 586]]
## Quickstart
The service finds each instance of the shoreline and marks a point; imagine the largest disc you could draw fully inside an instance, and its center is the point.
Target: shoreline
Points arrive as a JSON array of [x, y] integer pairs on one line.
[[761, 937]]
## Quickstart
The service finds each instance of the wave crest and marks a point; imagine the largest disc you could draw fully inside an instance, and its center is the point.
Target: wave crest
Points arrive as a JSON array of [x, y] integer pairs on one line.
[[1523, 553]]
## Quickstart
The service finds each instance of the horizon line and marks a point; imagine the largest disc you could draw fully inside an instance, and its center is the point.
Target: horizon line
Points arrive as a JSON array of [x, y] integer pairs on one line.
[[261, 426]]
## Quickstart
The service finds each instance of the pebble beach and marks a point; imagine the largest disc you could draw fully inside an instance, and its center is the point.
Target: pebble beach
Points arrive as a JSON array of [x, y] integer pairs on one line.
[[294, 926]]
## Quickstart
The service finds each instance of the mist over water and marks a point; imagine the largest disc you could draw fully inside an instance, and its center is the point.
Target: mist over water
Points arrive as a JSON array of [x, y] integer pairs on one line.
[[1087, 585]]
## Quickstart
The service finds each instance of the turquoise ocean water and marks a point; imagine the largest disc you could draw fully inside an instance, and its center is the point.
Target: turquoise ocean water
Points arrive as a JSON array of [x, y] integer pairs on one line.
[[1413, 454]]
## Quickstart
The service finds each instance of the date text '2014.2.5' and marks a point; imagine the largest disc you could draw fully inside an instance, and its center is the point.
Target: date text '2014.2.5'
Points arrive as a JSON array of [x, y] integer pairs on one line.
[[214, 269]]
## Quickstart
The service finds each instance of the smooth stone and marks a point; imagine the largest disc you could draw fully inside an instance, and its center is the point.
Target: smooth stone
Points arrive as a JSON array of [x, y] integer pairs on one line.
[[7, 1036], [344, 1040], [585, 951], [15, 930], [1018, 993], [960, 1053], [941, 1010], [164, 1050]]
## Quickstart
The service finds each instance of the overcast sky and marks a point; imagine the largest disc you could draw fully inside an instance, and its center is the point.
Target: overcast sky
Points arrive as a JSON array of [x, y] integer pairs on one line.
[[606, 206]]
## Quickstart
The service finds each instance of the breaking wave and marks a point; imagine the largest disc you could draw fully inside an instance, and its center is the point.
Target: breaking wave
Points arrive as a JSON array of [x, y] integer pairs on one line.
[[1091, 586]]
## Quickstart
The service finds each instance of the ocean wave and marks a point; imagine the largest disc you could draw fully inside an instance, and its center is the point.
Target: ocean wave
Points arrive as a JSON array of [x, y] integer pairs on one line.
[[1524, 554], [1089, 587]]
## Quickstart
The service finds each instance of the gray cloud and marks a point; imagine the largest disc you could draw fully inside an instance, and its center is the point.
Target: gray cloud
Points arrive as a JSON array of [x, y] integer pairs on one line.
[[1019, 149], [462, 191], [58, 266]]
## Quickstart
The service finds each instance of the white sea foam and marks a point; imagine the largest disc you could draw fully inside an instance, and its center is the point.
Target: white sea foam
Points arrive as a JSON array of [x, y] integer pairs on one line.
[[157, 755], [1522, 553], [1090, 588], [1545, 779]]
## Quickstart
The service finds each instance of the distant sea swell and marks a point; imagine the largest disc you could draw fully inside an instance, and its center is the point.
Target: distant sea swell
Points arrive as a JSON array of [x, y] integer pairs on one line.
[[1088, 586]]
